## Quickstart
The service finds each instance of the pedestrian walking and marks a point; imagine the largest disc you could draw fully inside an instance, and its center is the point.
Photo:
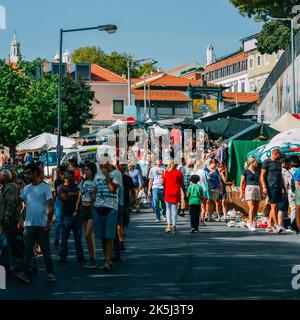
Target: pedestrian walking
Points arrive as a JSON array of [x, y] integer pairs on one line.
[[194, 194], [156, 190], [84, 208], [272, 185], [107, 182], [71, 220], [297, 197], [173, 183], [250, 190], [38, 199]]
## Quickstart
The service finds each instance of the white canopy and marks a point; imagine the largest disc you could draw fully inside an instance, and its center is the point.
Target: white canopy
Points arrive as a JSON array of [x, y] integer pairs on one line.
[[286, 122], [44, 142]]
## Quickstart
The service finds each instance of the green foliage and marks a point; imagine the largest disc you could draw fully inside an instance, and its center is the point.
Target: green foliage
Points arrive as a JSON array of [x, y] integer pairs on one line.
[[275, 35], [29, 105], [115, 61]]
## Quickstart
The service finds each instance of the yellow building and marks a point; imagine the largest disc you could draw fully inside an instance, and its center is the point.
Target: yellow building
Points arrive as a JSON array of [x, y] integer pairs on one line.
[[259, 66]]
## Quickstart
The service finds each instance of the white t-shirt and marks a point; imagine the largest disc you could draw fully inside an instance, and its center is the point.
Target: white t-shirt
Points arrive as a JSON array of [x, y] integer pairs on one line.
[[86, 188], [36, 198], [155, 175], [104, 197]]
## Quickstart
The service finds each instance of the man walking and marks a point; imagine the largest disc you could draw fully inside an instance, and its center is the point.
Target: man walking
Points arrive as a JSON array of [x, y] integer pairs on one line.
[[71, 221], [273, 186], [37, 197], [156, 190], [107, 182]]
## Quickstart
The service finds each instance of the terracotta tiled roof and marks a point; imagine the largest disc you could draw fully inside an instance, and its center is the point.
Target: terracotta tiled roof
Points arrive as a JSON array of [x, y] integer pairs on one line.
[[168, 81], [135, 80], [162, 95], [241, 56], [243, 97], [102, 74]]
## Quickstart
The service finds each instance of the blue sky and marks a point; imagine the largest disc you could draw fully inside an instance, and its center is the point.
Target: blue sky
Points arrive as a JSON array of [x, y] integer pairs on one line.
[[171, 31]]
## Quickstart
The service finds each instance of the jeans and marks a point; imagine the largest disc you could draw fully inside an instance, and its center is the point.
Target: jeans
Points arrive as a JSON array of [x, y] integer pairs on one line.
[[158, 196], [70, 223], [171, 213], [39, 235], [58, 217], [195, 215]]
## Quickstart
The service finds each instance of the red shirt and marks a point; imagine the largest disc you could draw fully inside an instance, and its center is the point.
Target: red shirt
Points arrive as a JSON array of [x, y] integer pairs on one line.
[[77, 175], [172, 180]]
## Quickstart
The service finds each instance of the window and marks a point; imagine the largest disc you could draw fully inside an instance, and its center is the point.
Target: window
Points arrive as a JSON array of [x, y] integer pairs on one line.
[[252, 86], [243, 87], [277, 55], [118, 107], [267, 58], [258, 84], [251, 63], [258, 61]]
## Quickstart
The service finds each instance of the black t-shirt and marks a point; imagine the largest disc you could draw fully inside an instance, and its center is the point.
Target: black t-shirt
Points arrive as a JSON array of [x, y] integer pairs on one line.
[[274, 175], [252, 179], [128, 185], [69, 206]]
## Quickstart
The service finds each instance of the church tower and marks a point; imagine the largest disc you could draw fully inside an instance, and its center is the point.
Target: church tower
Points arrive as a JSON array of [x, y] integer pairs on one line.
[[67, 57], [210, 56], [15, 52]]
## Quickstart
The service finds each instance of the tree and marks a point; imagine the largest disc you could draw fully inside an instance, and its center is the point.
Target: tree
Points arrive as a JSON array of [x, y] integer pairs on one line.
[[28, 106], [275, 34], [115, 61]]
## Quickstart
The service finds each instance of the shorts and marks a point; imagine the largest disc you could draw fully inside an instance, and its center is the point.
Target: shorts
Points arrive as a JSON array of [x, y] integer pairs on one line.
[[120, 216], [215, 195], [284, 204], [86, 213], [105, 223], [297, 196], [275, 194], [223, 196], [252, 193]]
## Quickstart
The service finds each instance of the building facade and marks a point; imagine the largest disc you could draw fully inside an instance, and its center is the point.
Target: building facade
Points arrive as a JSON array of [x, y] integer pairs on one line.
[[259, 65]]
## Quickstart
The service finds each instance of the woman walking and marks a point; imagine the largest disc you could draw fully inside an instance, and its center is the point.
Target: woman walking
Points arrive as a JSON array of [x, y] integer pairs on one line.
[[173, 182], [250, 190], [205, 185], [85, 210], [223, 170]]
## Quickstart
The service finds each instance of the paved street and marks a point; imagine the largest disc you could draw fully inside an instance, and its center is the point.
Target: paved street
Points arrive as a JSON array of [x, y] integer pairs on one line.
[[217, 263]]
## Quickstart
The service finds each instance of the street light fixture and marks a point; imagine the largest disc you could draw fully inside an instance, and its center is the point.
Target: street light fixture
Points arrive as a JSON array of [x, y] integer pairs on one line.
[[264, 19], [151, 61], [109, 28]]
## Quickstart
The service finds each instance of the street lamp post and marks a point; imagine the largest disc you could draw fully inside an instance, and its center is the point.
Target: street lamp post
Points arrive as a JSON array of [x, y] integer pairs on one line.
[[109, 28]]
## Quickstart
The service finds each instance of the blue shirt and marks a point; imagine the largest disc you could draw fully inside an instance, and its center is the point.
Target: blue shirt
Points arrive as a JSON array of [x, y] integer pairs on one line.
[[213, 179], [297, 175], [136, 177]]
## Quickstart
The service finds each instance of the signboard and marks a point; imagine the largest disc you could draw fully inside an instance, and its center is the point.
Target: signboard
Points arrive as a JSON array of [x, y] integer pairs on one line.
[[131, 121], [201, 105]]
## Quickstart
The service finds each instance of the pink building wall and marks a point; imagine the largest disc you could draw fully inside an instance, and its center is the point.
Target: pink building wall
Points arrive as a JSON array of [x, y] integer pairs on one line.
[[105, 93]]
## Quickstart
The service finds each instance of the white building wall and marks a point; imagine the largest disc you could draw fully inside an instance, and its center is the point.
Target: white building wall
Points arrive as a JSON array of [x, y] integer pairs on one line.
[[238, 78]]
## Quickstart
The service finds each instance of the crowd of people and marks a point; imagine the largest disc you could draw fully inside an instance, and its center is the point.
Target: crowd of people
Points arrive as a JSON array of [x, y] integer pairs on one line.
[[94, 201]]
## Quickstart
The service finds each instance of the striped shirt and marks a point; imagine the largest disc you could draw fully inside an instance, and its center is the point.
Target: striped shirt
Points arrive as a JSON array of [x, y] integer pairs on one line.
[[104, 197]]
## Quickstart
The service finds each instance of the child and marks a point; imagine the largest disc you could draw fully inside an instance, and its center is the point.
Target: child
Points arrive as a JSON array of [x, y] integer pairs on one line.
[[195, 194]]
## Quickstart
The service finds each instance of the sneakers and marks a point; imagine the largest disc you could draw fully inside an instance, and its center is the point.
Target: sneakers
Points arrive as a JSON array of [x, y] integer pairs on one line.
[[164, 218], [289, 230], [157, 220], [196, 231], [107, 266], [168, 229], [51, 277], [22, 276], [91, 264], [173, 229], [270, 230], [192, 230], [278, 229]]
